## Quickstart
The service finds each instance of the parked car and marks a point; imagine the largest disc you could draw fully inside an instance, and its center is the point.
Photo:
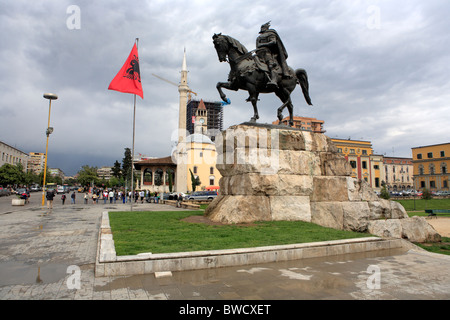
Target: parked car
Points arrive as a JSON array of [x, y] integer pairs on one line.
[[201, 195], [4, 192], [35, 188], [443, 193]]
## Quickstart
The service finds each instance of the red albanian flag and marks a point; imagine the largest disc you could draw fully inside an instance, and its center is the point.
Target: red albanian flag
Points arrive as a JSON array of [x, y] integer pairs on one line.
[[128, 80]]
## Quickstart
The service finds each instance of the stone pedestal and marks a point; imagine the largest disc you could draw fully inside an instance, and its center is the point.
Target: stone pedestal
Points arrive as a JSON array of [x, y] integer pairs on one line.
[[280, 173]]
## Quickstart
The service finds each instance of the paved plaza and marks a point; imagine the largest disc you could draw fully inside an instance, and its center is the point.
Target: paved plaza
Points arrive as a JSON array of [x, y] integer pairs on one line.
[[50, 254]]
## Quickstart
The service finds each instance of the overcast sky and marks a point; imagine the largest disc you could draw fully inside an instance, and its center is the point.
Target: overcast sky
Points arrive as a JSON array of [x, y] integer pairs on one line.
[[378, 71]]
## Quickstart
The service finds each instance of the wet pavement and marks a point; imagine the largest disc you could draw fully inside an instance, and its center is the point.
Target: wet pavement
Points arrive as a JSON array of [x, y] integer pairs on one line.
[[50, 255]]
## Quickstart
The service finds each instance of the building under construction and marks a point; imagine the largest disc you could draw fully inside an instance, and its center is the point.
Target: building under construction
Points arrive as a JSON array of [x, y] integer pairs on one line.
[[214, 114]]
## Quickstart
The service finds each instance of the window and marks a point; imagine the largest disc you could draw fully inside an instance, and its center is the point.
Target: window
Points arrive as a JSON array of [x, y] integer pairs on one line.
[[211, 170], [419, 156], [376, 167], [364, 164], [377, 182], [211, 180], [364, 152], [353, 164], [195, 170], [422, 184], [443, 168], [421, 170], [432, 184], [430, 155], [352, 151], [431, 168], [442, 154], [340, 150], [148, 177]]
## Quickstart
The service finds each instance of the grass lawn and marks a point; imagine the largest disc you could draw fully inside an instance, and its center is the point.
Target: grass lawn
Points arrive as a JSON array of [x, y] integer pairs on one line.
[[418, 206], [442, 247], [164, 232]]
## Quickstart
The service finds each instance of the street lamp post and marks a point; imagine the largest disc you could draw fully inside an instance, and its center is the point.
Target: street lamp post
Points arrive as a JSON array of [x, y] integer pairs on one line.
[[50, 97]]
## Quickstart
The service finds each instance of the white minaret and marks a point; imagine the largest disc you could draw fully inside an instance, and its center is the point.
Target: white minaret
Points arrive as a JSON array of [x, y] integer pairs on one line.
[[183, 89]]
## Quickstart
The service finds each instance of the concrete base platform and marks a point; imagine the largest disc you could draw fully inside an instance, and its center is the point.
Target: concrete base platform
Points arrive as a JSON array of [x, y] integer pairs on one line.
[[109, 264]]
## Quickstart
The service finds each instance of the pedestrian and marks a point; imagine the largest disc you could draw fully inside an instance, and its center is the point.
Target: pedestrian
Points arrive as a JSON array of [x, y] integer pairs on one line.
[[50, 196], [94, 198], [63, 198], [179, 200], [142, 194], [105, 196], [111, 196], [72, 196], [86, 198]]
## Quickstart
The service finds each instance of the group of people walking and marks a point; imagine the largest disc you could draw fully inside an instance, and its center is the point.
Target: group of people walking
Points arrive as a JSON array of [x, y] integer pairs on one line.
[[112, 196]]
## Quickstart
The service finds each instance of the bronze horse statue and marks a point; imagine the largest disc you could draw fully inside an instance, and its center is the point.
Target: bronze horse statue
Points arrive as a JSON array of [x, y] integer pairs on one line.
[[249, 73]]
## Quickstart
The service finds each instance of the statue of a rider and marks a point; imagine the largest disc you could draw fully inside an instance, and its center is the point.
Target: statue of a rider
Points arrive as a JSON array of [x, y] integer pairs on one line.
[[270, 49]]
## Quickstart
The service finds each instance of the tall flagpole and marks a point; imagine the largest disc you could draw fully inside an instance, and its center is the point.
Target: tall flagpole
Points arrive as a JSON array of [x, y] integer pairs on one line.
[[132, 151]]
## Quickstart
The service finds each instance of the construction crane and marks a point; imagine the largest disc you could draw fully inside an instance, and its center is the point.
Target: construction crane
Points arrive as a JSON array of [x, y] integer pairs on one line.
[[173, 83]]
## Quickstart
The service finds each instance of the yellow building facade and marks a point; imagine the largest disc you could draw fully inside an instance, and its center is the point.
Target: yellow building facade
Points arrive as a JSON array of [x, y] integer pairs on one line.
[[431, 167], [365, 165]]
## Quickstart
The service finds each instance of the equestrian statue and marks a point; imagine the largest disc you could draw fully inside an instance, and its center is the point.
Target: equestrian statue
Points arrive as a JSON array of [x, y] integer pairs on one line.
[[263, 70]]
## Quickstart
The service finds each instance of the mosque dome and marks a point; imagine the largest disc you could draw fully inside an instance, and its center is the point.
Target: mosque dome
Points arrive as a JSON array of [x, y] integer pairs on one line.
[[199, 138]]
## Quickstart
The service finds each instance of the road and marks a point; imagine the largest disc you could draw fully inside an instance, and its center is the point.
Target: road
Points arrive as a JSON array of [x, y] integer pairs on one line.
[[42, 250]]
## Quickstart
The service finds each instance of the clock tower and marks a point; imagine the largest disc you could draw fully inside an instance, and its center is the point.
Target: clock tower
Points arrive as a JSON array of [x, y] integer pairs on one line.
[[201, 119]]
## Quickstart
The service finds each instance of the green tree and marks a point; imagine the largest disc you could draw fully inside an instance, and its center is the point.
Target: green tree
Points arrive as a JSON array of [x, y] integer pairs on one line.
[[170, 181], [195, 181], [12, 175], [117, 170], [87, 175], [126, 164]]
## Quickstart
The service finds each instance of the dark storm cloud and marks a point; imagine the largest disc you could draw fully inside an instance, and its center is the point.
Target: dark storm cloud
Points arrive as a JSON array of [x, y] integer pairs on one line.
[[378, 70]]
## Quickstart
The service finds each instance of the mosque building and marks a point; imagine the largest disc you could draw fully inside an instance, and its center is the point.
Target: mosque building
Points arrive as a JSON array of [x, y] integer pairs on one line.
[[195, 153]]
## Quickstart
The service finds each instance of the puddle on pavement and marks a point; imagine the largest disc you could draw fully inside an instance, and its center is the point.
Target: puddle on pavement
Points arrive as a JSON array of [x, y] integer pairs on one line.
[[14, 273]]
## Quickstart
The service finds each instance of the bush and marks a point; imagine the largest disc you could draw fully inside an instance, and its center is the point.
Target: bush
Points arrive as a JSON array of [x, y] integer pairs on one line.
[[426, 194], [384, 194]]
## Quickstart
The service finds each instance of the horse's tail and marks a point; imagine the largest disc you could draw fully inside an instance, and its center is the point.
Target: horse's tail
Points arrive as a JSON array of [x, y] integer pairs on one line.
[[302, 79]]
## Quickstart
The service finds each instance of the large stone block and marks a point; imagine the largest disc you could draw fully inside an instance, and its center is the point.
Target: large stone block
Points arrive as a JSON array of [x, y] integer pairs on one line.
[[356, 216], [328, 214], [380, 209], [334, 164], [290, 208], [391, 228], [239, 209], [360, 190], [330, 189], [417, 229], [397, 211], [299, 163]]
